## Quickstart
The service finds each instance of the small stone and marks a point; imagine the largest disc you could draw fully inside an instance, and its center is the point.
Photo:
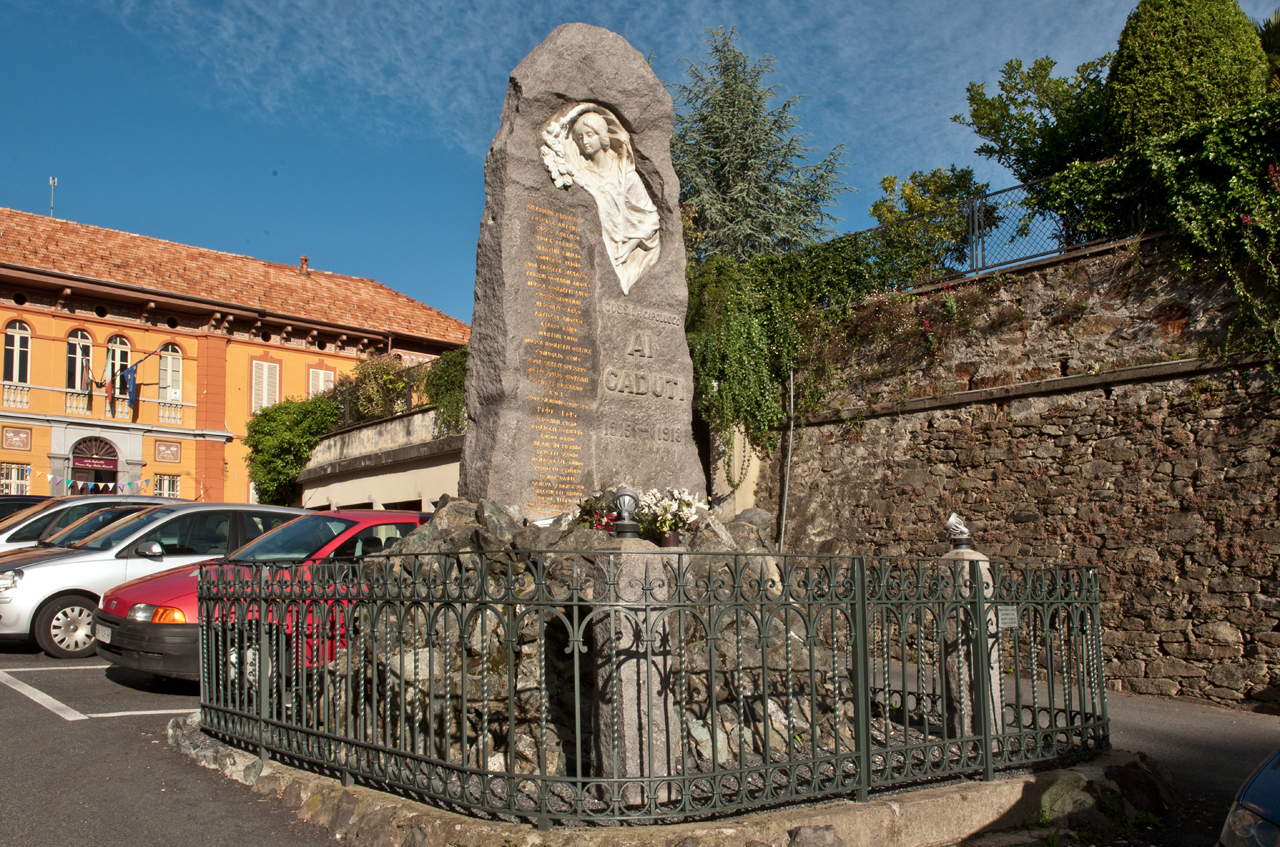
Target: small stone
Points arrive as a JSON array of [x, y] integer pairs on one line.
[[815, 836]]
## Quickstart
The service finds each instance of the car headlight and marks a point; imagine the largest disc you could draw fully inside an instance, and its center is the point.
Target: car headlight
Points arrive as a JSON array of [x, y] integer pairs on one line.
[[10, 579], [1245, 829], [141, 612]]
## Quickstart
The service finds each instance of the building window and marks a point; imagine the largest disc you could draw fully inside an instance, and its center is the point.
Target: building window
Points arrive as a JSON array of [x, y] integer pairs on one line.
[[168, 485], [15, 479], [117, 361], [321, 381], [17, 352], [170, 374], [266, 384], [80, 361]]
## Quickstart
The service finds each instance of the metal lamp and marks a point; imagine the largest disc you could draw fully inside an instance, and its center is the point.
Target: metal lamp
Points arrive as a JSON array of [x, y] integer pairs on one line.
[[625, 502]]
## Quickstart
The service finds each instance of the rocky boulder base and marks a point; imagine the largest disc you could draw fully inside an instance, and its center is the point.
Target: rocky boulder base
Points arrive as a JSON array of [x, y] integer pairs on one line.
[[469, 549]]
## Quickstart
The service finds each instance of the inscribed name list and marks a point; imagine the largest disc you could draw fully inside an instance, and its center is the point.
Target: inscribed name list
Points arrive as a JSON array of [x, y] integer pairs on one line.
[[559, 361]]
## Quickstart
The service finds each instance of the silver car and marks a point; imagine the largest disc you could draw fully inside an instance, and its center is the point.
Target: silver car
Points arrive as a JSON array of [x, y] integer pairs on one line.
[[50, 593], [26, 527]]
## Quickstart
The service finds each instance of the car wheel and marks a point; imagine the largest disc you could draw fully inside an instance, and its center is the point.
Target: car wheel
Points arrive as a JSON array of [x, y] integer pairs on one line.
[[64, 628]]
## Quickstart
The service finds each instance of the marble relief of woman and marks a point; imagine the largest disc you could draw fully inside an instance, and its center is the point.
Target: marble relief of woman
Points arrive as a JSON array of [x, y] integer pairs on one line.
[[595, 151]]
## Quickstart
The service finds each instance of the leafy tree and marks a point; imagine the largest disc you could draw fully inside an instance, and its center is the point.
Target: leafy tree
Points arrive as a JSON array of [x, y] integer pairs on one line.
[[924, 192], [444, 385], [931, 224], [280, 439], [1269, 35], [1038, 123], [746, 184], [1178, 62]]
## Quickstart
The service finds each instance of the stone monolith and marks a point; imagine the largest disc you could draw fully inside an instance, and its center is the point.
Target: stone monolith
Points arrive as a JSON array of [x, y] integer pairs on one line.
[[579, 374]]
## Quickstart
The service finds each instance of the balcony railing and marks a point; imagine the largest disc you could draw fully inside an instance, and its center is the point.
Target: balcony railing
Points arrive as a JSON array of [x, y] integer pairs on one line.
[[597, 687], [170, 414], [79, 402], [17, 395]]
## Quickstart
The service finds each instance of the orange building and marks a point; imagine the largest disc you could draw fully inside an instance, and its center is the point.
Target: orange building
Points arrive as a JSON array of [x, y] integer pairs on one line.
[[134, 363]]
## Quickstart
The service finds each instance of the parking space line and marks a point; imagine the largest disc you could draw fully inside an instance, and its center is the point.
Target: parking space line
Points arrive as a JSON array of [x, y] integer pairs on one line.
[[143, 712], [55, 668], [38, 696]]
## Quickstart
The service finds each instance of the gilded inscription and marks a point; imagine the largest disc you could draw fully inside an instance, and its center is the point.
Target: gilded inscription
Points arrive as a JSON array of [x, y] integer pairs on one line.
[[558, 362]]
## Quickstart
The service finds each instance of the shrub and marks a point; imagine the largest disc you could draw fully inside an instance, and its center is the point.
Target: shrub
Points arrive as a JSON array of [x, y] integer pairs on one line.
[[1180, 61]]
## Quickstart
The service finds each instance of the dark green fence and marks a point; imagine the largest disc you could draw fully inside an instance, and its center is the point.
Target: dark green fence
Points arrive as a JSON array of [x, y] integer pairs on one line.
[[559, 687]]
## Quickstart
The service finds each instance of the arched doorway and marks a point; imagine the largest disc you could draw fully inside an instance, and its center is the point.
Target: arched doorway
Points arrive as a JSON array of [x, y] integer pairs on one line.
[[93, 460]]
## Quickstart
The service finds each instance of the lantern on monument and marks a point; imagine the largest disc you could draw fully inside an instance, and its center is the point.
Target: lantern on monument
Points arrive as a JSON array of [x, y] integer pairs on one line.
[[626, 501]]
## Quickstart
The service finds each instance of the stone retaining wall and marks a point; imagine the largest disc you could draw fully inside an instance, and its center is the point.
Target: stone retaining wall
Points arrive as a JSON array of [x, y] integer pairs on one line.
[[1165, 475]]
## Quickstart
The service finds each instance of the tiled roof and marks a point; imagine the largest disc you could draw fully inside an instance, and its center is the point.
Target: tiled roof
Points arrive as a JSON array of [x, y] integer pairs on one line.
[[39, 243]]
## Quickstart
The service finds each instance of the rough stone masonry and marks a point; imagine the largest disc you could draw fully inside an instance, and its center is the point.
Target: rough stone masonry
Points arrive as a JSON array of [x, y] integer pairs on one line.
[[579, 374]]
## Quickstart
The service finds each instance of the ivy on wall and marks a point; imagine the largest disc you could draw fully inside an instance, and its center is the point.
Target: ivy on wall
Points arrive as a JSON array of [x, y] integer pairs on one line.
[[1216, 188]]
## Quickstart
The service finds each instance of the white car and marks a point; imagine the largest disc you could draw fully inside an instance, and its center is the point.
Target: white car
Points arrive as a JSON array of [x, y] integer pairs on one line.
[[26, 527], [50, 593]]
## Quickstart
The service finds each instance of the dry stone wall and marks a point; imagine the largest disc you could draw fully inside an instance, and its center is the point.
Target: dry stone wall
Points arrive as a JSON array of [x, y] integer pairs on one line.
[[1164, 474]]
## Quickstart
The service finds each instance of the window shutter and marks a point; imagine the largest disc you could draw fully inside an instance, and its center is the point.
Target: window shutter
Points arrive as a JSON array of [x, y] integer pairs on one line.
[[266, 384], [273, 383], [258, 380], [321, 381]]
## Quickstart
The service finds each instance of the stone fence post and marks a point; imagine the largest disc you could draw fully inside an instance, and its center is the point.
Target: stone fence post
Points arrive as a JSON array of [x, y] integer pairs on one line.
[[966, 687], [635, 727]]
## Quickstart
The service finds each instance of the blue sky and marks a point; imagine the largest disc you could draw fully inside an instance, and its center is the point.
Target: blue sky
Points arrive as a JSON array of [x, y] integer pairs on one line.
[[355, 132]]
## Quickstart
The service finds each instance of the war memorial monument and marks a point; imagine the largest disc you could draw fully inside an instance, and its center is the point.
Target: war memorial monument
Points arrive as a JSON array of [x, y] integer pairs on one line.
[[579, 374]]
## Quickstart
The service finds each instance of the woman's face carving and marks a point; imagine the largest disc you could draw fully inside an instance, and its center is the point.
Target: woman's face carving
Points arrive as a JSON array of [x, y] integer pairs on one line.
[[592, 134]]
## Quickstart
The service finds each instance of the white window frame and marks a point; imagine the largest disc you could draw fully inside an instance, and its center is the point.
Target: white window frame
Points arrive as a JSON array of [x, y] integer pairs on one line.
[[17, 353], [170, 374], [319, 381], [118, 352], [266, 385], [80, 354], [168, 485], [15, 478]]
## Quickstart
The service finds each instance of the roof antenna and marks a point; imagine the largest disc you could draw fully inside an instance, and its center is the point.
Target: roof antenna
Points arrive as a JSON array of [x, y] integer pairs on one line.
[[53, 184]]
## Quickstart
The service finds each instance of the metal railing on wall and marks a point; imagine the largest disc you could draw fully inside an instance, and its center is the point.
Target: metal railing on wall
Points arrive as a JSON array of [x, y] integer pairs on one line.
[[372, 400], [569, 687], [986, 233]]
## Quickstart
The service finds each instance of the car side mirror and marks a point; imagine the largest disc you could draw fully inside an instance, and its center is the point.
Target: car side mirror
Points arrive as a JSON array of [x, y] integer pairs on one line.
[[149, 549]]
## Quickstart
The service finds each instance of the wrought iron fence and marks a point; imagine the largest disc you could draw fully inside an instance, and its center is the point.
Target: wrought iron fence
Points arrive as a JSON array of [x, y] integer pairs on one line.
[[559, 687], [988, 232]]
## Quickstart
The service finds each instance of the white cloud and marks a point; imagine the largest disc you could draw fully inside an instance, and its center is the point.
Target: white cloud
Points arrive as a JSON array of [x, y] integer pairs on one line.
[[882, 78]]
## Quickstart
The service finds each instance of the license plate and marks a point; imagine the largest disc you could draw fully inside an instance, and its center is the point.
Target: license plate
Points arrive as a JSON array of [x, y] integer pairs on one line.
[[102, 634]]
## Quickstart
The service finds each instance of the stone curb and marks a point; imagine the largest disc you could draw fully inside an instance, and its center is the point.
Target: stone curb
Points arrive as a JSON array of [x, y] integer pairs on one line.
[[930, 817]]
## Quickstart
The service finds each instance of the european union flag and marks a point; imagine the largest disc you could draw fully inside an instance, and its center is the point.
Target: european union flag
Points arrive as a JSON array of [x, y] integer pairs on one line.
[[131, 384]]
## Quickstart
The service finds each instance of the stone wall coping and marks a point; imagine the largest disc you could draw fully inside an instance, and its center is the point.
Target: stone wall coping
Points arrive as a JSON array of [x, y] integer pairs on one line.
[[369, 461], [1158, 372]]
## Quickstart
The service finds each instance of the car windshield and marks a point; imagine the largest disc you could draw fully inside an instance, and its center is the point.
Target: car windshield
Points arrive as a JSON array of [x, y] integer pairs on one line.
[[295, 541], [88, 525], [18, 517], [115, 534]]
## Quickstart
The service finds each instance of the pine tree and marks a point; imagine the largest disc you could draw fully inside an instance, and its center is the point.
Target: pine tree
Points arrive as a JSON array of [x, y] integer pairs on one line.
[[747, 187], [1180, 61]]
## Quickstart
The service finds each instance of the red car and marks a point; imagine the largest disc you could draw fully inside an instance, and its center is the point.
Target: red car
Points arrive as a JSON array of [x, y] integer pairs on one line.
[[152, 624]]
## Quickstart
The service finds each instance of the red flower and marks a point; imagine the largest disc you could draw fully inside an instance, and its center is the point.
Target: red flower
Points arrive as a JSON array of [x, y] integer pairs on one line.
[[1248, 221]]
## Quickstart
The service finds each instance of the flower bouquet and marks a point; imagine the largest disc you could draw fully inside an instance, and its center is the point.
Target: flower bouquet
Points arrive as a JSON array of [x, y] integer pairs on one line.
[[597, 512], [663, 513]]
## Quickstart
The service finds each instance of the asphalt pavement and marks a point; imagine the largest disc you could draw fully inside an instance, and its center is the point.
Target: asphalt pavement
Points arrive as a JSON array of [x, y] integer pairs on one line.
[[84, 760]]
